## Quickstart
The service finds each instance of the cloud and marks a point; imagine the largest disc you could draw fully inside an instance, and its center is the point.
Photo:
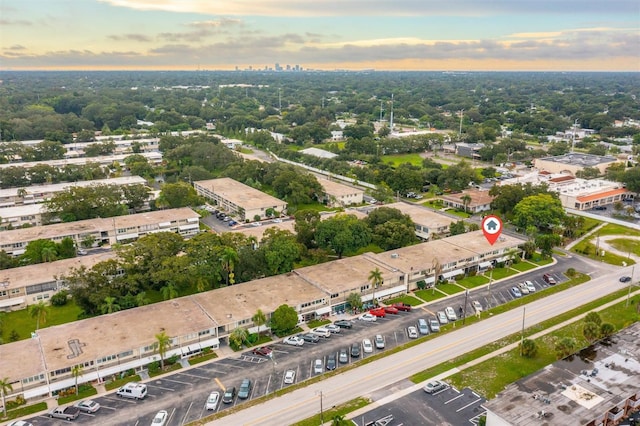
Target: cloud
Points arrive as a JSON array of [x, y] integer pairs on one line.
[[131, 37], [217, 23], [17, 22], [17, 47], [315, 8]]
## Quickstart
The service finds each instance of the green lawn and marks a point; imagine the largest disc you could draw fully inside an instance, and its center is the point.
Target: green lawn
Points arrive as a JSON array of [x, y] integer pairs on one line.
[[523, 266], [587, 226], [429, 295], [500, 273], [541, 261], [330, 412], [24, 324], [397, 159], [625, 244], [588, 248], [459, 213], [449, 288], [406, 299], [475, 281], [613, 229], [434, 204]]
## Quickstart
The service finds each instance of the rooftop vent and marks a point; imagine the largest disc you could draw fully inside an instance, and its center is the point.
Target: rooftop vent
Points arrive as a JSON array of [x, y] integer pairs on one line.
[[394, 255]]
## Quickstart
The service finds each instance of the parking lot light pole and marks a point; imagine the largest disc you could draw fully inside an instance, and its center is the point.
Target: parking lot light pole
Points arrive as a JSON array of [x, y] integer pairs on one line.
[[490, 281], [630, 284], [466, 297]]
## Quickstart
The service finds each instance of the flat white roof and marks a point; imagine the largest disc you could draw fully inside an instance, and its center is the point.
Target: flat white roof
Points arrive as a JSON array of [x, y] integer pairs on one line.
[[240, 194], [59, 187], [421, 215], [338, 189], [83, 160], [22, 210]]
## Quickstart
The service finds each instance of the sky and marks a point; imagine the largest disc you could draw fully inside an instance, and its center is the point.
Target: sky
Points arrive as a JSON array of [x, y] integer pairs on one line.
[[431, 35]]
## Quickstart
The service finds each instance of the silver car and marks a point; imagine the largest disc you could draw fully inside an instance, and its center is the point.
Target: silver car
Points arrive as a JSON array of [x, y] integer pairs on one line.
[[442, 317], [317, 366], [413, 332], [379, 341], [289, 377]]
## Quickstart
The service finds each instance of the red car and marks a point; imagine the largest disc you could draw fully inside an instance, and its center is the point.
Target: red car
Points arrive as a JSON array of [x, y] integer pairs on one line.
[[390, 310], [262, 351], [378, 312], [402, 307]]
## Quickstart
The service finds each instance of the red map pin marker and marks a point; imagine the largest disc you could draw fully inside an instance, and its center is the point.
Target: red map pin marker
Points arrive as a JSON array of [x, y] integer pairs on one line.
[[492, 228]]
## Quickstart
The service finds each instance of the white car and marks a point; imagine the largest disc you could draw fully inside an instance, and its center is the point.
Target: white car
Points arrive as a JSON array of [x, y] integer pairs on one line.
[[530, 286], [379, 341], [477, 306], [289, 377], [451, 314], [317, 366], [256, 224], [322, 332], [412, 332], [277, 220], [293, 341], [88, 406], [442, 317], [523, 288], [213, 400], [368, 317], [160, 419], [333, 328], [367, 347]]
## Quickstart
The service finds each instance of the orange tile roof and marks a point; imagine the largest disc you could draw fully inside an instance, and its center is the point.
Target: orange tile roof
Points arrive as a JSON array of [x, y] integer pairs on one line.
[[561, 179], [600, 195]]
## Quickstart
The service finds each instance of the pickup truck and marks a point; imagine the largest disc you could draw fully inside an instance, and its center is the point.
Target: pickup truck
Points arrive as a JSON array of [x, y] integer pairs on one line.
[[66, 413], [402, 306]]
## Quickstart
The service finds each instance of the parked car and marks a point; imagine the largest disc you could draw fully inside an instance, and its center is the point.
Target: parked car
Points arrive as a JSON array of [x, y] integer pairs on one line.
[[343, 324], [423, 327], [87, 406], [412, 332], [213, 400], [229, 395], [530, 286], [293, 341], [367, 317], [625, 279], [442, 318], [549, 279], [245, 389], [391, 309], [523, 288], [289, 377], [600, 208], [379, 341], [322, 332], [402, 307], [133, 390], [378, 312], [367, 347], [331, 362], [317, 366], [355, 350], [515, 292], [65, 413], [262, 351], [451, 314], [343, 356], [160, 419], [477, 306], [333, 328], [434, 325], [434, 386], [310, 337]]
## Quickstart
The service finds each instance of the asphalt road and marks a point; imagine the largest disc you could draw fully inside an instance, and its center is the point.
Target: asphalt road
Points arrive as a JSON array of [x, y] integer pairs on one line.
[[362, 381]]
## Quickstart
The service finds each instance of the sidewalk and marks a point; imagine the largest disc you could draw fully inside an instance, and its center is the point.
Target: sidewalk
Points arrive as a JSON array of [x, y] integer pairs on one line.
[[585, 236]]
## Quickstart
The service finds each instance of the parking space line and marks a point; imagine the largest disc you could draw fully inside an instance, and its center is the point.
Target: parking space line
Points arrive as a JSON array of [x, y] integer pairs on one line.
[[128, 401], [220, 384], [177, 381], [160, 387], [194, 375], [468, 405], [454, 398]]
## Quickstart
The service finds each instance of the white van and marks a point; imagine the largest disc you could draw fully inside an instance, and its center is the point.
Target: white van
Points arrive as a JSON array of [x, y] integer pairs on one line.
[[133, 390]]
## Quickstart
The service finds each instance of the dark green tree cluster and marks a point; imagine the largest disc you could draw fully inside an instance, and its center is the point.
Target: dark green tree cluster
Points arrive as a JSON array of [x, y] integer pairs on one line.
[[17, 176], [42, 251]]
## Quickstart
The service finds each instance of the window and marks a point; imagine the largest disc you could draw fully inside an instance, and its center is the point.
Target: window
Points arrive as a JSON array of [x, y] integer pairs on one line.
[[107, 359], [204, 332], [125, 354], [3, 293]]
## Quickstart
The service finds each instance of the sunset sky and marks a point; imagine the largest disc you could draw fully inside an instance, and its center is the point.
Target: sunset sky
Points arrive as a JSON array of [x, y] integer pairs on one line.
[[541, 35]]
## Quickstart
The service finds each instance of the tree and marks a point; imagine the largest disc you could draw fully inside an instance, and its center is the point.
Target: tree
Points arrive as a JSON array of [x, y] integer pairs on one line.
[[162, 344], [38, 251], [5, 388], [565, 347], [529, 348], [281, 250], [342, 233], [339, 420], [593, 317], [376, 280], [259, 319], [66, 249], [228, 260], [169, 291], [76, 372], [542, 211], [591, 331], [466, 200], [110, 306], [394, 234], [284, 319], [354, 300], [607, 329], [39, 311], [238, 336], [305, 226], [179, 194], [457, 228]]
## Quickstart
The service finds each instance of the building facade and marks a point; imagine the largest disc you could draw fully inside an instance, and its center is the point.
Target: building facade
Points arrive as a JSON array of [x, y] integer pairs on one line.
[[340, 195]]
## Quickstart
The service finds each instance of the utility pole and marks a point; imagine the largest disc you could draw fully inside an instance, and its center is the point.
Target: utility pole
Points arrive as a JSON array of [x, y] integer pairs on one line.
[[321, 410], [466, 297], [490, 281], [630, 283]]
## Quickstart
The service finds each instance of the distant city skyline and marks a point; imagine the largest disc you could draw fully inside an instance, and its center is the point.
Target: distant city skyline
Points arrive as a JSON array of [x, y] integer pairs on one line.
[[464, 35]]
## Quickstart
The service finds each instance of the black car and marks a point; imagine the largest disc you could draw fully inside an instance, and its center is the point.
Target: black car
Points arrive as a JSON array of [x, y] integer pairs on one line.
[[331, 362], [343, 324], [309, 337], [245, 389], [229, 394], [600, 208], [625, 279], [355, 350]]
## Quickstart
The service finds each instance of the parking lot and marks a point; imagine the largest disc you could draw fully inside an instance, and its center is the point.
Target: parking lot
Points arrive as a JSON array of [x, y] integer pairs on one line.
[[183, 393]]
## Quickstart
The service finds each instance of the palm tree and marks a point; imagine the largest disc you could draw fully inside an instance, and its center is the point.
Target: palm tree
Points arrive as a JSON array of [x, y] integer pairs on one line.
[[169, 291], [77, 371], [229, 258], [162, 343], [110, 306], [339, 420], [5, 388], [141, 299], [238, 336], [466, 200], [375, 278], [39, 311], [259, 319], [48, 254], [21, 192]]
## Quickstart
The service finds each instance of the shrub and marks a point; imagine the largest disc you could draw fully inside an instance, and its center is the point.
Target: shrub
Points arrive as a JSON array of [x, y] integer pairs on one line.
[[154, 367], [529, 348], [14, 336], [571, 272], [60, 298], [421, 285], [172, 360]]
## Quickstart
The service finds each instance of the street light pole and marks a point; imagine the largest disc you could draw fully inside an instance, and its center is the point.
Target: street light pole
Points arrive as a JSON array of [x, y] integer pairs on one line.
[[321, 410], [466, 297], [630, 283], [490, 281]]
